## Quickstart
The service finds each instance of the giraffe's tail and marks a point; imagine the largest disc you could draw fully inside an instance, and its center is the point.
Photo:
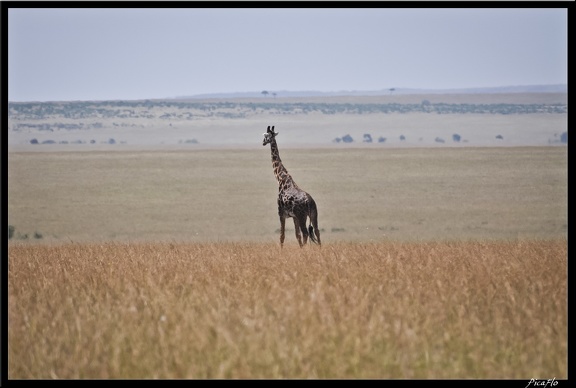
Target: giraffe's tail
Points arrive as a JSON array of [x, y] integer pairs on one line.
[[313, 231], [311, 234]]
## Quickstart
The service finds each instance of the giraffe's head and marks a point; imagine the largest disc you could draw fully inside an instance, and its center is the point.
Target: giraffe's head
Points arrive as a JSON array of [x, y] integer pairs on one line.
[[269, 135]]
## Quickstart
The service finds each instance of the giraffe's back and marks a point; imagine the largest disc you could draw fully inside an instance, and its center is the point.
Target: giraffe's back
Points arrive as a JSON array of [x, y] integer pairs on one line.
[[294, 202]]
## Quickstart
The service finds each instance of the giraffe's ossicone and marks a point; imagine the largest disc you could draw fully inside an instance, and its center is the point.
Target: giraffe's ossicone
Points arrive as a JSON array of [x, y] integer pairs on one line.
[[292, 201]]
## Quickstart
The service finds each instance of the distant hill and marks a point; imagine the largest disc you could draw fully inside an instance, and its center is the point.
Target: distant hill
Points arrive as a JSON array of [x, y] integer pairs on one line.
[[562, 88]]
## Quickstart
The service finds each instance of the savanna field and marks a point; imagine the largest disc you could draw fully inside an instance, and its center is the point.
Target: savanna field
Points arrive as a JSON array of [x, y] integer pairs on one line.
[[435, 264], [145, 261], [388, 310]]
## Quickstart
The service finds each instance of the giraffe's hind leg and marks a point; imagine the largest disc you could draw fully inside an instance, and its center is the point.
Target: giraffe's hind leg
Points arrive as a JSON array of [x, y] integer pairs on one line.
[[297, 231], [302, 224]]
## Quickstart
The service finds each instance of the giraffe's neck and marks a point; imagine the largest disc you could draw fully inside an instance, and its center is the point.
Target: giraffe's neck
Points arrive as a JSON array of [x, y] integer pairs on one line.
[[284, 179]]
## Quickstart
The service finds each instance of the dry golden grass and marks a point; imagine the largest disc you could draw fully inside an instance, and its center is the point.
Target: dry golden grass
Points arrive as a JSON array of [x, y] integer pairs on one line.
[[462, 309]]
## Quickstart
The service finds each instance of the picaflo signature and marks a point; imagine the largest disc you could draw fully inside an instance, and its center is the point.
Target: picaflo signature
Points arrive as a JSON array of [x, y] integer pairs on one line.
[[542, 383]]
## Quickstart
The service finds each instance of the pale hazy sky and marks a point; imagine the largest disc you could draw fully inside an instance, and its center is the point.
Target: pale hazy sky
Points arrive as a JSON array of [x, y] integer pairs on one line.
[[101, 54]]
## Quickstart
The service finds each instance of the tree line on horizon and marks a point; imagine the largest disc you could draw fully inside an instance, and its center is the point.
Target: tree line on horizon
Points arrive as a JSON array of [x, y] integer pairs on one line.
[[227, 109]]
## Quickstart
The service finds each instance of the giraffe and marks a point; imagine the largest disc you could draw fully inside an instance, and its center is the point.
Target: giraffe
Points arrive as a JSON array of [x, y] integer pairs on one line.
[[292, 201]]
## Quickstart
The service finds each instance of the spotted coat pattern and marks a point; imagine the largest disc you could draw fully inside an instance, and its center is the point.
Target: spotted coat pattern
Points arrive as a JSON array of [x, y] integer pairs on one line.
[[292, 200]]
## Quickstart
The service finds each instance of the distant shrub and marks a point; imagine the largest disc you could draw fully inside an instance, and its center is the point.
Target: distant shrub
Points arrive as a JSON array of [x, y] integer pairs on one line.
[[34, 141], [456, 137], [402, 137], [190, 141], [111, 141], [337, 140], [499, 137], [11, 230], [439, 140], [367, 138], [347, 139], [48, 142], [37, 235], [564, 137], [381, 139]]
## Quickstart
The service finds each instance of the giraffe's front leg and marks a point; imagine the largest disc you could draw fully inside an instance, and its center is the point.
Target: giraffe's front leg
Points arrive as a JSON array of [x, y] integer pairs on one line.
[[282, 229], [297, 230]]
